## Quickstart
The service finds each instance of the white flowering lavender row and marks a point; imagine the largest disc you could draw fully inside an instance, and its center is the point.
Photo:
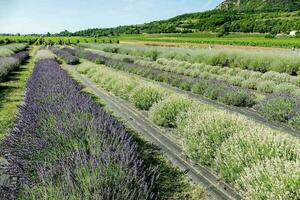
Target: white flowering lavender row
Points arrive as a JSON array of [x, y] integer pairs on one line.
[[230, 144], [8, 64]]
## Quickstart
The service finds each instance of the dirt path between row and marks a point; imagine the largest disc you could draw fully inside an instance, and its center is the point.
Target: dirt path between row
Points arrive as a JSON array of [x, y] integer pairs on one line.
[[200, 45]]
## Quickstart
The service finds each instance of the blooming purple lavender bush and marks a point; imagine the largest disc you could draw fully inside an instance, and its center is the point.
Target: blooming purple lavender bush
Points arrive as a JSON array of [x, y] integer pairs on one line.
[[69, 50], [65, 55], [8, 64], [278, 107], [64, 146], [91, 56]]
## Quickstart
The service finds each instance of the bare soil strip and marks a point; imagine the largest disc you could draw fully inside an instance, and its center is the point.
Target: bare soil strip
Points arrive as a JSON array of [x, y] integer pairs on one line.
[[203, 45], [215, 187]]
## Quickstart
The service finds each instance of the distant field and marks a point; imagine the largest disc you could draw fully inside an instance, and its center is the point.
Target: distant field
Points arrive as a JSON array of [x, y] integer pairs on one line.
[[211, 38], [49, 40], [204, 38]]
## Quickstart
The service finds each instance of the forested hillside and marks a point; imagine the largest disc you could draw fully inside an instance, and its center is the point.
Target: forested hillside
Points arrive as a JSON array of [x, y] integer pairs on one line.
[[267, 16], [270, 5]]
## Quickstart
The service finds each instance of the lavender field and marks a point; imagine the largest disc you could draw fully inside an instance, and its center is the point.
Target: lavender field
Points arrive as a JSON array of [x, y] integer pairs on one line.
[[64, 145], [150, 100], [79, 132]]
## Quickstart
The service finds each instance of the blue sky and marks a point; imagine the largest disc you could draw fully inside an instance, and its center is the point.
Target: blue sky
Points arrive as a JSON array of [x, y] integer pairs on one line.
[[41, 16]]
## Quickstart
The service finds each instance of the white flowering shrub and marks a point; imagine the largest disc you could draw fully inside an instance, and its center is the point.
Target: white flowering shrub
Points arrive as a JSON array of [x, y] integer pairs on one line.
[[236, 80], [44, 54], [286, 88], [250, 147], [113, 81], [5, 52], [10, 49], [165, 113], [271, 179], [203, 132], [266, 86], [295, 80], [145, 96], [250, 83]]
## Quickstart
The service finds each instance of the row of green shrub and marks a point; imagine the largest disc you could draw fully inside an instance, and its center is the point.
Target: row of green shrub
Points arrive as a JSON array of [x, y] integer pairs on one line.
[[261, 61], [281, 108], [215, 90], [269, 82], [142, 95], [230, 144], [10, 49], [218, 92], [9, 39], [44, 54], [241, 151]]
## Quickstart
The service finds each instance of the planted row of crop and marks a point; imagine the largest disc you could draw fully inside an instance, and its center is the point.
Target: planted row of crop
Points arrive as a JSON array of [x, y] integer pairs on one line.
[[269, 82], [11, 56], [8, 64], [261, 61], [279, 107], [10, 49], [61, 40], [215, 90], [18, 39], [43, 54], [65, 55], [64, 146], [230, 144], [140, 93]]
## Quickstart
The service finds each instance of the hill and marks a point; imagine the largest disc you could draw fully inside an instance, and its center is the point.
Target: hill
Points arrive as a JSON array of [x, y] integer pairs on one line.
[[265, 5], [263, 16]]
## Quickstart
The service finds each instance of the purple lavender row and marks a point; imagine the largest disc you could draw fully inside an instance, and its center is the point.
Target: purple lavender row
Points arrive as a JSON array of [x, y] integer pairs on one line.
[[8, 64], [96, 58], [65, 146], [65, 55]]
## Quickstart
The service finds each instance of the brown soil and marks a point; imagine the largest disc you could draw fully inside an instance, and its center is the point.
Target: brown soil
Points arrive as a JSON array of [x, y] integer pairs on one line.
[[215, 46]]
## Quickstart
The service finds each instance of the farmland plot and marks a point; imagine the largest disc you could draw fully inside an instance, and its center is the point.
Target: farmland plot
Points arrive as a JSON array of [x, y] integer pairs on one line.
[[65, 146], [261, 61], [212, 137], [230, 86]]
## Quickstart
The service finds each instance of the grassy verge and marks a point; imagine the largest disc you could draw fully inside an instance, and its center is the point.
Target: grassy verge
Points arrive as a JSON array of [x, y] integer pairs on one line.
[[11, 93], [172, 183]]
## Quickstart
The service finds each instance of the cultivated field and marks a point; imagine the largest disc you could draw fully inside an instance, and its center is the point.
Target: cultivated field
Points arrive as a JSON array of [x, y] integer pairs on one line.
[[84, 119], [242, 39]]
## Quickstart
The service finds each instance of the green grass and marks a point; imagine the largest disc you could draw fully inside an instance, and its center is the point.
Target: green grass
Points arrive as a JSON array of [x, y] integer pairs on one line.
[[210, 38], [11, 94]]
